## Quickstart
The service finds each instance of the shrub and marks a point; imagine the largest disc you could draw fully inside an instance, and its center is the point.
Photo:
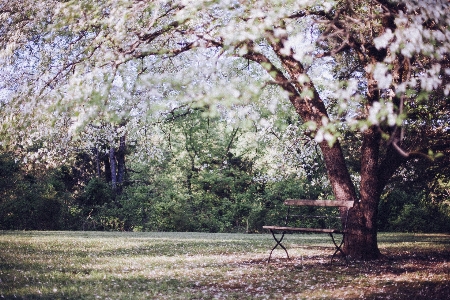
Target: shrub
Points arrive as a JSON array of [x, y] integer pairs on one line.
[[401, 211]]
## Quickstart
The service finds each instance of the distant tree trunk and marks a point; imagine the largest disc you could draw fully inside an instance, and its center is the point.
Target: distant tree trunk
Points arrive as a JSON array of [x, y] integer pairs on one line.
[[112, 161], [121, 164], [107, 164], [97, 161]]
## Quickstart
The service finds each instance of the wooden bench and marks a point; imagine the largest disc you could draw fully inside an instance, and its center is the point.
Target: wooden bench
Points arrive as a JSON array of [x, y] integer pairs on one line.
[[295, 223]]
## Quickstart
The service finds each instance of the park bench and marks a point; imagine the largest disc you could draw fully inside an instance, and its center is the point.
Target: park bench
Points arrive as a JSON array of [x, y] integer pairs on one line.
[[332, 221]]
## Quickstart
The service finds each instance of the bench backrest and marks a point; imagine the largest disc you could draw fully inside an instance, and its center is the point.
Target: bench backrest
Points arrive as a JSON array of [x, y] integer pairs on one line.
[[303, 202], [323, 218]]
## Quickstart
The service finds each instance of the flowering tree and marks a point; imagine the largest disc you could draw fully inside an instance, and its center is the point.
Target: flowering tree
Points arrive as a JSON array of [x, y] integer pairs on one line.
[[378, 68]]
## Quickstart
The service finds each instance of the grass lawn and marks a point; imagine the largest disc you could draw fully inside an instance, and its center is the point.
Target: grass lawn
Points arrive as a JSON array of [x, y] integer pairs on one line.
[[109, 265]]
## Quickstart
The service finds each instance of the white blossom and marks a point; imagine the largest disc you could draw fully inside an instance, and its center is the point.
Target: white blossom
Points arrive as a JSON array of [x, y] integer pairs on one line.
[[382, 75], [383, 40]]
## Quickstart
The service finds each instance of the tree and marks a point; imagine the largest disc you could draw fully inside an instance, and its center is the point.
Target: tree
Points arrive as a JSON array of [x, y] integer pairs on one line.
[[214, 174], [379, 68], [360, 31]]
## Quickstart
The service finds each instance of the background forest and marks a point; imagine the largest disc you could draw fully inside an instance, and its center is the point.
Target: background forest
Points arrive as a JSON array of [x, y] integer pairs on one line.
[[192, 172]]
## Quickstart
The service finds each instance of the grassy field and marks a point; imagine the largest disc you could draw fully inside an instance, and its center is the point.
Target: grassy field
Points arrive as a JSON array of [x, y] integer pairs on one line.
[[102, 265]]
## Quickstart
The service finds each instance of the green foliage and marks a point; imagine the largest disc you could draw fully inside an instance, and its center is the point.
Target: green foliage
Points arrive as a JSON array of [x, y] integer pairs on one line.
[[8, 172], [414, 219], [401, 211], [206, 179], [36, 207], [274, 211], [32, 202], [96, 193]]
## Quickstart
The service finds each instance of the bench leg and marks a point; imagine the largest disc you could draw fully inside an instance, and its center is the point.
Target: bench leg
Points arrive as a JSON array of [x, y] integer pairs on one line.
[[278, 244], [338, 248]]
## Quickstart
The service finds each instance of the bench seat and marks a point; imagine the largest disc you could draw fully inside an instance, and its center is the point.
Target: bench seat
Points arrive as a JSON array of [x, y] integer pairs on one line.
[[306, 230]]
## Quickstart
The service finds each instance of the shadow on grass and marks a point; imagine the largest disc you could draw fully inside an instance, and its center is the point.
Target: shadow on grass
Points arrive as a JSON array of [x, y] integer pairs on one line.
[[422, 275], [231, 268], [112, 288]]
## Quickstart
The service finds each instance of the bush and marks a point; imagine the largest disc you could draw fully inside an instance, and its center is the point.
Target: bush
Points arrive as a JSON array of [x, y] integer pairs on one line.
[[96, 193], [400, 211], [31, 206]]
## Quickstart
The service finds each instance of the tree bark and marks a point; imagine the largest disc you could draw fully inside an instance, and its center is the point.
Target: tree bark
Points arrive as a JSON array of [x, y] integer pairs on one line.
[[107, 164], [121, 160], [362, 241], [337, 171], [121, 163], [97, 161], [112, 162]]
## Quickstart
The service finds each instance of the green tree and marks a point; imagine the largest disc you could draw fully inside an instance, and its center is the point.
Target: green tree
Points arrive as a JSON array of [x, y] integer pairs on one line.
[[216, 174], [34, 201]]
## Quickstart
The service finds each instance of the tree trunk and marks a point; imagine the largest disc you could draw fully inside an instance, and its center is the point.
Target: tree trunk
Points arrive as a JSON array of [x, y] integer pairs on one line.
[[112, 162], [121, 160], [341, 183], [107, 164], [121, 164], [362, 241], [97, 161]]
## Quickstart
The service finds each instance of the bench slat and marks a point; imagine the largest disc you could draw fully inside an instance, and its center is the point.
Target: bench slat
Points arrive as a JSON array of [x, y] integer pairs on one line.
[[299, 229], [303, 202]]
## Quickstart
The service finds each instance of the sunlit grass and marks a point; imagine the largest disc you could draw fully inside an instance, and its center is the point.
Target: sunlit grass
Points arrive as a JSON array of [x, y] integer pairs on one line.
[[101, 265]]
